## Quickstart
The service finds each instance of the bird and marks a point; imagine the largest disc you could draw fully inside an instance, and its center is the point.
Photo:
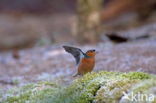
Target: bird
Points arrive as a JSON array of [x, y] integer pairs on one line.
[[85, 61]]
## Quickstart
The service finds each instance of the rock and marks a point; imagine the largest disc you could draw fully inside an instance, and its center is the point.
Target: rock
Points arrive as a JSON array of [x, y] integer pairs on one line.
[[102, 87]]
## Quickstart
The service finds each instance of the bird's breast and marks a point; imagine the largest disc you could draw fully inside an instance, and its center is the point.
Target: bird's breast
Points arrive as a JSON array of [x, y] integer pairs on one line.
[[87, 63]]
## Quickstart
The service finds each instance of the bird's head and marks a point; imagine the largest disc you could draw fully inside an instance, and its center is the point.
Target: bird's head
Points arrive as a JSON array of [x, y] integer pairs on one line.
[[91, 53]]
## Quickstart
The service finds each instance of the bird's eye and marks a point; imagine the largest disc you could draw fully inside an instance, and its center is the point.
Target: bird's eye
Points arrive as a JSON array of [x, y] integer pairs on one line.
[[92, 50]]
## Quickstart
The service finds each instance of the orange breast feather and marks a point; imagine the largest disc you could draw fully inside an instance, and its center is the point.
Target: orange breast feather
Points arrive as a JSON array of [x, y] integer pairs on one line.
[[86, 65]]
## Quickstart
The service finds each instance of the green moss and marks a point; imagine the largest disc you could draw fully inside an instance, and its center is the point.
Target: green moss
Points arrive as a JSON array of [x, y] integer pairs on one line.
[[83, 90], [144, 92], [93, 87], [136, 75], [30, 93]]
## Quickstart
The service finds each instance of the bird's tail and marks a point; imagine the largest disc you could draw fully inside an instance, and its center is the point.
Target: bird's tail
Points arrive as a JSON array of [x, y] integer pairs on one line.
[[75, 75]]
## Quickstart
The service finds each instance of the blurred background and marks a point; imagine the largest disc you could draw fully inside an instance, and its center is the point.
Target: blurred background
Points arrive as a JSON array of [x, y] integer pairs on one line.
[[24, 23], [33, 31]]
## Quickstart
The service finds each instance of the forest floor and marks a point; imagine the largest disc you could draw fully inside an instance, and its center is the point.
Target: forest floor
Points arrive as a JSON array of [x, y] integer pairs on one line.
[[52, 63]]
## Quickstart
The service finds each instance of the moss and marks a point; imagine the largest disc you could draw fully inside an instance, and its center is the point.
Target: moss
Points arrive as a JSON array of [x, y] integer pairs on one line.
[[144, 92], [83, 90], [92, 87], [136, 75], [30, 93], [112, 91]]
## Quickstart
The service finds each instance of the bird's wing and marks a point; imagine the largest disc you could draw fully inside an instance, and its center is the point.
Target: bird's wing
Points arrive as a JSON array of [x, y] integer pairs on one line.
[[76, 52]]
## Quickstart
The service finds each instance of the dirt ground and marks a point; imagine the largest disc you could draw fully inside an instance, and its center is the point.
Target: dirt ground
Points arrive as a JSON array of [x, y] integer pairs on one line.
[[53, 63]]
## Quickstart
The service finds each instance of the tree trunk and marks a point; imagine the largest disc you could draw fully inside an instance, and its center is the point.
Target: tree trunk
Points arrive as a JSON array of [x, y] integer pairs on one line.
[[88, 20]]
